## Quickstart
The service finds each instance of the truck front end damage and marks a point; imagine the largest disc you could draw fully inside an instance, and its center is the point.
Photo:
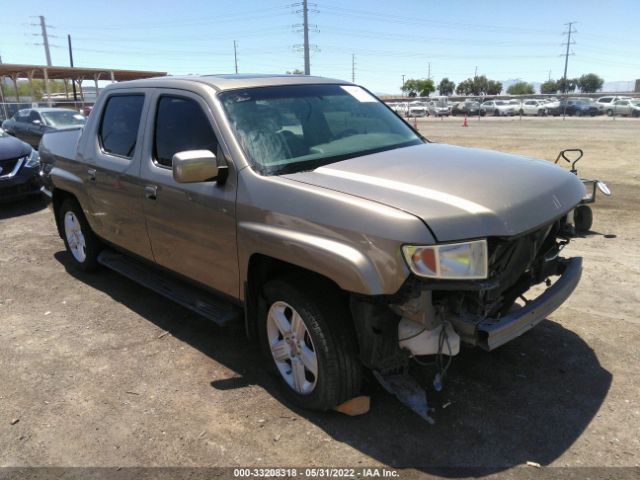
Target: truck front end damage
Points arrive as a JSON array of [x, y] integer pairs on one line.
[[432, 316]]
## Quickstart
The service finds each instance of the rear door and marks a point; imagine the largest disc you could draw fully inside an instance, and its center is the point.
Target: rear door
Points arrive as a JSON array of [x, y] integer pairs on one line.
[[192, 226], [113, 181]]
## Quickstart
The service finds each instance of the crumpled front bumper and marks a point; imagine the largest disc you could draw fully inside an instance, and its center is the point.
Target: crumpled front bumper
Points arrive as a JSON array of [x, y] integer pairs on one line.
[[494, 332]]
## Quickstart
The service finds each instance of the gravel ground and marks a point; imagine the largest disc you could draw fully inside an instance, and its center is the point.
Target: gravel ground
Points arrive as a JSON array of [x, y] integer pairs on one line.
[[90, 377]]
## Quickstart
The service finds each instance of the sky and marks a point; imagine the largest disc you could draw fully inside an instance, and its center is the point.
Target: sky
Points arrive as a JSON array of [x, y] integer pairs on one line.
[[504, 40]]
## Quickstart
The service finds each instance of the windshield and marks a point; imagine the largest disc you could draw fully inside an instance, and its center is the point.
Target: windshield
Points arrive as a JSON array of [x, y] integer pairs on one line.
[[61, 118], [293, 128]]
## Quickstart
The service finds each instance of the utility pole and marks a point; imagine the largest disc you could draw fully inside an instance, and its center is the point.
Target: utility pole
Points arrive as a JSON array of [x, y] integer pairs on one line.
[[73, 82], [353, 68], [402, 90], [429, 72], [476, 72], [4, 107], [566, 63], [305, 26], [235, 55], [45, 39]]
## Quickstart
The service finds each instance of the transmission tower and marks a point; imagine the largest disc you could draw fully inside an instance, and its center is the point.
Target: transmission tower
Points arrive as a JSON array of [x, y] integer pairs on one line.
[[305, 28], [45, 37], [568, 44]]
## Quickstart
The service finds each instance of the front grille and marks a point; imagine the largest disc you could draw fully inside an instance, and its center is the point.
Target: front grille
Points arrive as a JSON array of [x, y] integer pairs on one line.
[[7, 166]]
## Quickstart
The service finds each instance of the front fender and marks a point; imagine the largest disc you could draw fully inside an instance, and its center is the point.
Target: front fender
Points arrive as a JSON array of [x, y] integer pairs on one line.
[[349, 268]]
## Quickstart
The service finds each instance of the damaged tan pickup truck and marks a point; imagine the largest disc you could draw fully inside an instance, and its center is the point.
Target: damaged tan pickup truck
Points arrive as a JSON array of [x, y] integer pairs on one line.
[[306, 208]]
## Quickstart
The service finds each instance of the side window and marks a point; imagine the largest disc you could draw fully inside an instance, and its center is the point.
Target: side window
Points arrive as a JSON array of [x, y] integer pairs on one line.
[[120, 122], [22, 116], [180, 125], [33, 116]]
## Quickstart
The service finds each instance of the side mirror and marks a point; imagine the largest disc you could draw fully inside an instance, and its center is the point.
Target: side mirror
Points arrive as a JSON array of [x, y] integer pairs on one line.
[[194, 166], [36, 122]]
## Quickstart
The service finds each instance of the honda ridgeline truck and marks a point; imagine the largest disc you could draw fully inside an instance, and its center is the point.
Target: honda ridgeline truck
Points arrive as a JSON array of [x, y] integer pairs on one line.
[[306, 208]]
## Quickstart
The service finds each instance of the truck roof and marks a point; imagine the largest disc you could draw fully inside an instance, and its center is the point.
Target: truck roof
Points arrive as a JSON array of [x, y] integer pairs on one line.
[[230, 82]]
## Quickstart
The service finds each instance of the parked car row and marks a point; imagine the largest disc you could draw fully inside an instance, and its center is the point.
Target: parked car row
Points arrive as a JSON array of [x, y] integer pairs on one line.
[[30, 124], [572, 106], [437, 107]]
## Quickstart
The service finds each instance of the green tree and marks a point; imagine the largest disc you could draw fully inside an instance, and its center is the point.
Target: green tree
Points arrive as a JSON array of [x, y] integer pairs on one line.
[[479, 85], [464, 88], [550, 86], [590, 83], [418, 87], [567, 86], [520, 88], [446, 86], [493, 87], [296, 71]]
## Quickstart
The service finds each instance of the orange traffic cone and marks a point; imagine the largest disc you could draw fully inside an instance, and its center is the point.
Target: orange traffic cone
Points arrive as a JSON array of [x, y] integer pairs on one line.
[[465, 124], [415, 123]]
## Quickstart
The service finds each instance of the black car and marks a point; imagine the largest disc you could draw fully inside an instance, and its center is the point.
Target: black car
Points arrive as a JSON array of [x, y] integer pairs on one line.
[[31, 123], [19, 169], [466, 108], [579, 107]]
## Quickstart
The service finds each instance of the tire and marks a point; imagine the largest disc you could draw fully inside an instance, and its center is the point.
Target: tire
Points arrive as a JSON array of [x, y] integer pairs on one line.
[[496, 113], [583, 218], [541, 113], [521, 112], [327, 339], [609, 113], [81, 243]]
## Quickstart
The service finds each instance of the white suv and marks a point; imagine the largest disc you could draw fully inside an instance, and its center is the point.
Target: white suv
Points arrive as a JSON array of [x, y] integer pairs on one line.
[[604, 103]]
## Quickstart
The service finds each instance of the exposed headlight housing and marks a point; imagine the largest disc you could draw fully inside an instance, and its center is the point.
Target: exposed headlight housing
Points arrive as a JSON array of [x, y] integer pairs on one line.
[[33, 159], [451, 261]]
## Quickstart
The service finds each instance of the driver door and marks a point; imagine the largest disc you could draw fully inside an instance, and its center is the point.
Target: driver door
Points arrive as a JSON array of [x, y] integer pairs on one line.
[[191, 226]]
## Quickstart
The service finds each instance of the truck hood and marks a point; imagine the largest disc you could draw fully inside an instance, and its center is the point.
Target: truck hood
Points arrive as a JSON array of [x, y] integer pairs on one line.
[[460, 193]]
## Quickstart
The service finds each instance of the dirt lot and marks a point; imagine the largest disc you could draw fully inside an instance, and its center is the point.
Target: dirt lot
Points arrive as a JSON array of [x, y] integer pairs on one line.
[[93, 381]]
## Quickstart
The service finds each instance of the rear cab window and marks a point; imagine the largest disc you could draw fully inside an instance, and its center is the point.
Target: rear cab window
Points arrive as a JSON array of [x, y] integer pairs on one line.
[[180, 125], [119, 125]]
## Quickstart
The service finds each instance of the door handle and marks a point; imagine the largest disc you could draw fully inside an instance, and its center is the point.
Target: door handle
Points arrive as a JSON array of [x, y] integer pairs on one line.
[[150, 191], [92, 174]]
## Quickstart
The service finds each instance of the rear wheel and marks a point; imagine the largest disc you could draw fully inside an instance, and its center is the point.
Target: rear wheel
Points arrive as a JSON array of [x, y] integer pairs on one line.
[[80, 241], [496, 113], [308, 338], [610, 113]]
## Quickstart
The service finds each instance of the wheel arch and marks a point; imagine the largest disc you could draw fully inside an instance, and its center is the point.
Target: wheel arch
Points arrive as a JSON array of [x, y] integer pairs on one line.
[[58, 197], [262, 268]]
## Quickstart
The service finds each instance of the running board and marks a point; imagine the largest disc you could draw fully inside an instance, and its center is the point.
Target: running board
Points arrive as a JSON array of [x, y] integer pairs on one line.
[[193, 298]]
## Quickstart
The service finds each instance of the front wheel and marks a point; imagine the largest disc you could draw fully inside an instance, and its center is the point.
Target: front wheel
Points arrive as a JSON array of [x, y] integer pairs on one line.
[[80, 241], [583, 218], [310, 343]]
